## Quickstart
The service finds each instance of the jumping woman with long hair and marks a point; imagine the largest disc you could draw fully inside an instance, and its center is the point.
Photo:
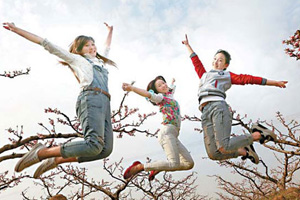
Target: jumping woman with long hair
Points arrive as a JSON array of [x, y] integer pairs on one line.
[[92, 108]]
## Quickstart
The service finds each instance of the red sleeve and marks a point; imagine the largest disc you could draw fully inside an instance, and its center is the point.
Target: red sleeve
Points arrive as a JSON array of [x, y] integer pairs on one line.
[[198, 66], [243, 79]]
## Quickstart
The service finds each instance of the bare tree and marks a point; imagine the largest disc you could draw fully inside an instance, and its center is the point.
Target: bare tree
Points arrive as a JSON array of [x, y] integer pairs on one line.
[[125, 121], [262, 181], [13, 74]]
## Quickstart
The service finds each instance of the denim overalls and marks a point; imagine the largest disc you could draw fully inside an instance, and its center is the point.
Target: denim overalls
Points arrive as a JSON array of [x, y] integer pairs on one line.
[[93, 111]]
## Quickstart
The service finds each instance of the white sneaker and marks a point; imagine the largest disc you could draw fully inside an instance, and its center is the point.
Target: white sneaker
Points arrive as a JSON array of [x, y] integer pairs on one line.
[[46, 165], [266, 134], [251, 154], [29, 158]]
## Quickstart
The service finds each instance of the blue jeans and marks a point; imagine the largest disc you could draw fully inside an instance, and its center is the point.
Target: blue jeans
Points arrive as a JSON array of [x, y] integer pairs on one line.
[[93, 111], [216, 124]]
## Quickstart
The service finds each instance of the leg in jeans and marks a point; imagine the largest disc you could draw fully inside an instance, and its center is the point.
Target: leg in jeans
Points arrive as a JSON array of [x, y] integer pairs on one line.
[[210, 134], [222, 121], [210, 144], [108, 141], [91, 110]]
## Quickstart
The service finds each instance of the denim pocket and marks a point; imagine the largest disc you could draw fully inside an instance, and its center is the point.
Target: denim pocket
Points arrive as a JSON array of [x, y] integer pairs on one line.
[[95, 100], [81, 106]]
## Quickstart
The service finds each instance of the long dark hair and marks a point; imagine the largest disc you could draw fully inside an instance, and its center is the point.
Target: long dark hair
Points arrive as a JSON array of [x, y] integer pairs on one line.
[[151, 86], [76, 48]]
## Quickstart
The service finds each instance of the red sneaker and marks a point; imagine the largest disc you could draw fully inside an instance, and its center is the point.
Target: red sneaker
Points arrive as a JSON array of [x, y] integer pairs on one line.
[[129, 173], [152, 175]]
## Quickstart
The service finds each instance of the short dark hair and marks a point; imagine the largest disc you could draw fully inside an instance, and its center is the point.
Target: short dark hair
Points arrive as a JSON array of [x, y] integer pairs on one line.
[[226, 54]]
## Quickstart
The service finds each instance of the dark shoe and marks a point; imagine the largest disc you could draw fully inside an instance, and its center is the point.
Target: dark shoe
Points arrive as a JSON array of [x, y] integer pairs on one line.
[[130, 170], [266, 134], [251, 154]]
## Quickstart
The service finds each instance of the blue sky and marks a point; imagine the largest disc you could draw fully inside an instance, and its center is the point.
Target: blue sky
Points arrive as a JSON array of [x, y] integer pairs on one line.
[[146, 43]]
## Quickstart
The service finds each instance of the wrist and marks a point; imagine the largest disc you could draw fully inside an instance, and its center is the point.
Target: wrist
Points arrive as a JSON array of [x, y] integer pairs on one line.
[[15, 29]]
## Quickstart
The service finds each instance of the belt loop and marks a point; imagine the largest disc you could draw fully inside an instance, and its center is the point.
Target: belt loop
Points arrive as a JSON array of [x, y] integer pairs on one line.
[[201, 107]]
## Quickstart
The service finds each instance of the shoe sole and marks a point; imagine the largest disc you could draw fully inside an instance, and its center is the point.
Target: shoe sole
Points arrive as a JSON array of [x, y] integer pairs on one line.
[[267, 135], [126, 174], [252, 155], [41, 169]]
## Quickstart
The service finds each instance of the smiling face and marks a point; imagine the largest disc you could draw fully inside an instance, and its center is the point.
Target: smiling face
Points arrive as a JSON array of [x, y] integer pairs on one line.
[[84, 45], [89, 48], [161, 86], [219, 62]]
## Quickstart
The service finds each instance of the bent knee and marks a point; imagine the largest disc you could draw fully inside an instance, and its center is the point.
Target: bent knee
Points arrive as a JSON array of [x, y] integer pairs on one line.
[[214, 156], [106, 152], [224, 150], [190, 165], [94, 149], [174, 165]]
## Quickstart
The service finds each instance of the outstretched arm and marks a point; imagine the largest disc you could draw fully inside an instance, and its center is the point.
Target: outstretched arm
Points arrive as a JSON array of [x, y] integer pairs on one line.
[[281, 84], [108, 39], [27, 35], [142, 92], [50, 47], [187, 44], [242, 79], [199, 68]]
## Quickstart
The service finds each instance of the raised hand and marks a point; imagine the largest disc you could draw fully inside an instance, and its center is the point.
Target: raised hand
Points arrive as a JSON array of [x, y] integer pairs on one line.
[[187, 44], [27, 35], [127, 87], [173, 81], [108, 27], [186, 41], [9, 26]]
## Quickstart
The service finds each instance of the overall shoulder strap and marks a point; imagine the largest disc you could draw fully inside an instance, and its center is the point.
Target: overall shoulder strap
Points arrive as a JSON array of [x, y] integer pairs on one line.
[[89, 61]]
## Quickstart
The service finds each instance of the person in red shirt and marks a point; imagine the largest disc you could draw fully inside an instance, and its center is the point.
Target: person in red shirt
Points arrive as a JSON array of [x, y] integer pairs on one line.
[[216, 116]]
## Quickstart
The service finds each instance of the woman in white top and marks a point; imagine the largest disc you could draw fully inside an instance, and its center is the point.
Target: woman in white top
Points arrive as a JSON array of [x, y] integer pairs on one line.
[[92, 108]]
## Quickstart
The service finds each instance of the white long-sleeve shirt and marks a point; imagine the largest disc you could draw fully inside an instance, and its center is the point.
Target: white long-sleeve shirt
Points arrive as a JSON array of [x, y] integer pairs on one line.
[[82, 68]]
